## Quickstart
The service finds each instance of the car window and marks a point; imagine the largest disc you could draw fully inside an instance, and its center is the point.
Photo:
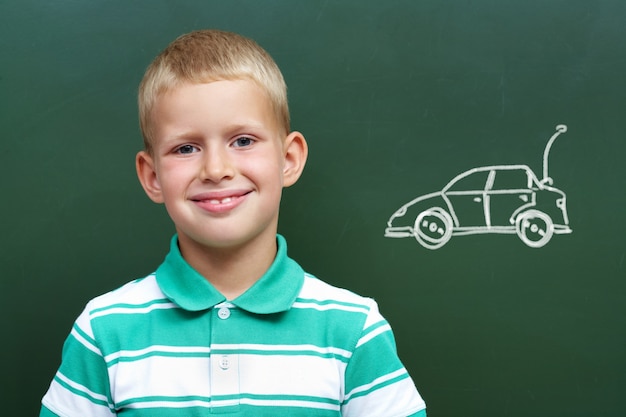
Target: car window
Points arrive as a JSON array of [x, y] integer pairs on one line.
[[474, 181], [511, 179]]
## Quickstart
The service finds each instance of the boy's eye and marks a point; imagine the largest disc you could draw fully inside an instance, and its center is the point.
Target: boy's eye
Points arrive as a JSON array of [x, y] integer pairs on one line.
[[243, 142], [186, 149]]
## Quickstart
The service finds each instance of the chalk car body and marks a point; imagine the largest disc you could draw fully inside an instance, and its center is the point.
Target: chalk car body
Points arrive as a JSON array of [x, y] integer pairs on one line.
[[492, 199]]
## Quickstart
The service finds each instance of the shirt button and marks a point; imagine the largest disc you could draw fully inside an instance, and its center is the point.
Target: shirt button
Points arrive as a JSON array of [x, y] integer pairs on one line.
[[224, 362], [223, 313]]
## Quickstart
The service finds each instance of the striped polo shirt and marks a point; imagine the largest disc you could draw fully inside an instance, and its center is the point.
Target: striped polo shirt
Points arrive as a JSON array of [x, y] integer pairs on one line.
[[171, 345]]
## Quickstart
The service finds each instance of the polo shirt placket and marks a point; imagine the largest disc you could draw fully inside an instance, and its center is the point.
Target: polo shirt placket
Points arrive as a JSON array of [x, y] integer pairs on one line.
[[224, 360]]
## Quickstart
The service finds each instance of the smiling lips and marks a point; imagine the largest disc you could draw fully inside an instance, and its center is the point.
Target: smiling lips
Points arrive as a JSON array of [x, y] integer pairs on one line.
[[220, 202]]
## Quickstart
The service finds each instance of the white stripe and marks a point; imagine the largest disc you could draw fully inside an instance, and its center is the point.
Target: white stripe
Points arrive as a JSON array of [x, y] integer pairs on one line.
[[82, 388], [324, 307], [281, 374], [373, 334], [287, 375], [133, 310], [156, 348], [377, 381], [290, 403], [226, 403], [85, 342], [166, 375]]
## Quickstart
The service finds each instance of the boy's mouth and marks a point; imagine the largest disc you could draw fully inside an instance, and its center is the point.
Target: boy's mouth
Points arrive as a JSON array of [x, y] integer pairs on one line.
[[222, 201]]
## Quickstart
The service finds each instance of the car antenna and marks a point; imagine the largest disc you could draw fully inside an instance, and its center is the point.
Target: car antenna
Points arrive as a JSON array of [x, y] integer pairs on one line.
[[546, 178]]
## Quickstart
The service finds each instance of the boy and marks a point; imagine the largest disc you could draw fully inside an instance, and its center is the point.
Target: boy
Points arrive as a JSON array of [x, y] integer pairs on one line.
[[228, 323]]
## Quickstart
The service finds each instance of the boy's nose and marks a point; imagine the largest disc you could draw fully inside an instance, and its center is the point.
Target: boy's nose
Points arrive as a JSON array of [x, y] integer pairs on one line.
[[216, 166]]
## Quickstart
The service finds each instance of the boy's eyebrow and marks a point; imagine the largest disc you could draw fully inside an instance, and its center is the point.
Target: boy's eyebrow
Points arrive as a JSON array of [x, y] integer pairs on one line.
[[181, 135], [246, 126]]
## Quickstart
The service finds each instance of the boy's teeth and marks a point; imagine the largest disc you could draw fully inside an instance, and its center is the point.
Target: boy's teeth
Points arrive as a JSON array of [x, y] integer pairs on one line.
[[223, 201]]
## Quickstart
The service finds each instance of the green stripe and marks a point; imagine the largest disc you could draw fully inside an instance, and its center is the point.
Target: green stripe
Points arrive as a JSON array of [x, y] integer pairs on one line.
[[325, 355], [160, 354], [164, 326]]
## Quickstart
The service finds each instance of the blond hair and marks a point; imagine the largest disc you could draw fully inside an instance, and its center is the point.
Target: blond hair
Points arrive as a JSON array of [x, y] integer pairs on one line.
[[210, 55]]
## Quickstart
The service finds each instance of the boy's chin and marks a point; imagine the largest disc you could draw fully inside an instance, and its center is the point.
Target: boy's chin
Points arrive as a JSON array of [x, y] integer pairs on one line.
[[226, 241]]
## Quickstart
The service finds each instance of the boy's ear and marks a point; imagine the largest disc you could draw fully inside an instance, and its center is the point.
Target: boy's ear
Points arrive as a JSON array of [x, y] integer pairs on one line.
[[296, 151], [146, 172]]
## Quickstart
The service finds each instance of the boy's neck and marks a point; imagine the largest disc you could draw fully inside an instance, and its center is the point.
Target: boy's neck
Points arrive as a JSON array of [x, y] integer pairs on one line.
[[230, 270]]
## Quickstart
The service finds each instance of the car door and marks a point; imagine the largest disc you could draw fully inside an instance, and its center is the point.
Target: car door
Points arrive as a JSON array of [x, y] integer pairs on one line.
[[466, 195]]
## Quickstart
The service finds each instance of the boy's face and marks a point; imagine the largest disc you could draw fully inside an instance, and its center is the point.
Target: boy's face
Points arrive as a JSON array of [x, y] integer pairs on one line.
[[219, 162]]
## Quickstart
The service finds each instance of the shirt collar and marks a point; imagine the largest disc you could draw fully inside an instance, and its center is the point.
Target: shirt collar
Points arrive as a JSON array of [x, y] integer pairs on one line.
[[274, 292]]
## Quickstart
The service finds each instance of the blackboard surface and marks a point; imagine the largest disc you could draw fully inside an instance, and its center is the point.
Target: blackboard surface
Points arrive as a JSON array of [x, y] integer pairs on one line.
[[396, 99]]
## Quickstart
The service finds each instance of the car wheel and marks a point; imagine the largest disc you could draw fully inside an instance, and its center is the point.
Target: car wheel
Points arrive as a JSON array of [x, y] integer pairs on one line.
[[534, 227], [433, 228]]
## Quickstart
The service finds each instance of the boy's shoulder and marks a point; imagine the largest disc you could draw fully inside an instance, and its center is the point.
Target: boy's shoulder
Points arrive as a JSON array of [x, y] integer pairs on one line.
[[317, 290], [139, 296], [139, 292]]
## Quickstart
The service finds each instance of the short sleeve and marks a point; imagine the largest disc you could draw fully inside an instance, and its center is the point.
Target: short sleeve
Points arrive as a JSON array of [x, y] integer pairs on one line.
[[376, 382], [46, 413], [81, 385]]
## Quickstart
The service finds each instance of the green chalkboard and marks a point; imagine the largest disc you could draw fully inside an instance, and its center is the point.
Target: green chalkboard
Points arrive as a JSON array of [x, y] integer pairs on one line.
[[433, 112]]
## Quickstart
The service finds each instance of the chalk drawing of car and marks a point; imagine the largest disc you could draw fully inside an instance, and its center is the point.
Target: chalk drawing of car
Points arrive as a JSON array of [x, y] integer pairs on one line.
[[491, 199]]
